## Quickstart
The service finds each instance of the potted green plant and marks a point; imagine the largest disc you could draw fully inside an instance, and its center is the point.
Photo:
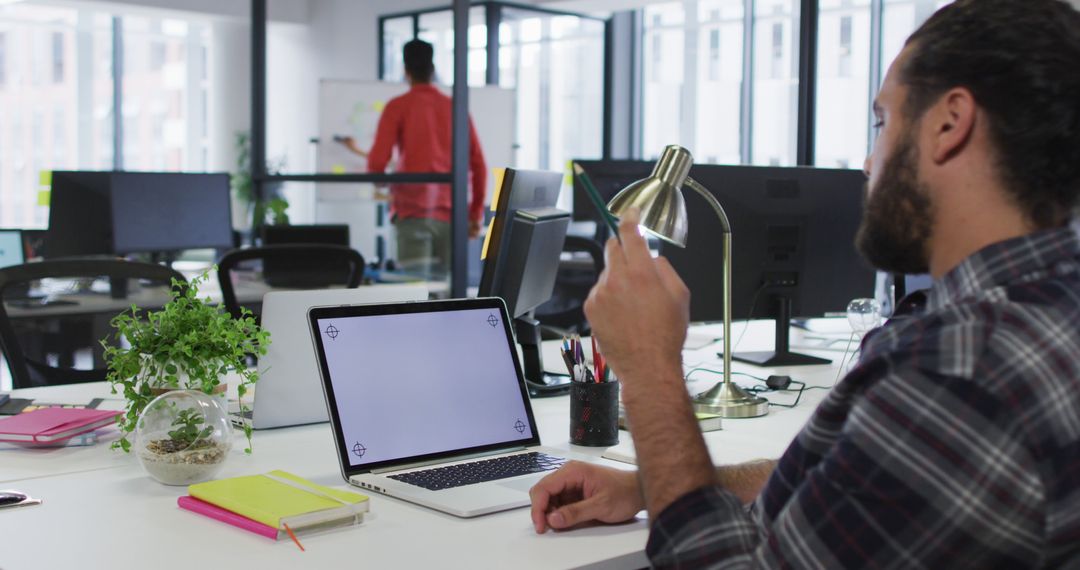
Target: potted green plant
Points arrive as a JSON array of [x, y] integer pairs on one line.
[[189, 344], [271, 204]]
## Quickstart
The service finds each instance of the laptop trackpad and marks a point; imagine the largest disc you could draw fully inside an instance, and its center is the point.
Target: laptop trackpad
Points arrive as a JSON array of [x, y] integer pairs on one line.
[[521, 484]]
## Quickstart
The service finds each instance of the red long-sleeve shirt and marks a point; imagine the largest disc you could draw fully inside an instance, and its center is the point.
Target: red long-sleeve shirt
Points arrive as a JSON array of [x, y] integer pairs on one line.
[[418, 124]]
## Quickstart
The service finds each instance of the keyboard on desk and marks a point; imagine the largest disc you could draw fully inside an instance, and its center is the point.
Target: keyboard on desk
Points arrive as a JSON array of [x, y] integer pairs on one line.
[[439, 478]]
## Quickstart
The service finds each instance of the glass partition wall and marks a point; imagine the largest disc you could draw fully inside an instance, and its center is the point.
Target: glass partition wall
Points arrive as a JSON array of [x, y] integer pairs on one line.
[[553, 62]]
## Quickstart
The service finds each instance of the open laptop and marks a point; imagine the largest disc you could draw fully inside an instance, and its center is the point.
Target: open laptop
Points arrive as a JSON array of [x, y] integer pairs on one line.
[[288, 392], [11, 248], [428, 404]]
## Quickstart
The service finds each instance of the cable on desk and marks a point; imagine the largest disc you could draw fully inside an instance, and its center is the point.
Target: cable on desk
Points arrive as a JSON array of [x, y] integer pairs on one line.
[[761, 390], [746, 323]]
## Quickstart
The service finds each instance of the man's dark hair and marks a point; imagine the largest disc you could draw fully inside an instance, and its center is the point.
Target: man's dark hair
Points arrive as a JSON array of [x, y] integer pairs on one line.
[[1021, 61], [419, 60]]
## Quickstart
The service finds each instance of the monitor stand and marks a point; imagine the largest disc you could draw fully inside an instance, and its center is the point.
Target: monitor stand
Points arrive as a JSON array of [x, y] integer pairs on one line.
[[527, 330], [782, 356]]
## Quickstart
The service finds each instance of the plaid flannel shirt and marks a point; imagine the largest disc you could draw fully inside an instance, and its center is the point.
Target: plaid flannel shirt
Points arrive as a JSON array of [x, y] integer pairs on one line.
[[955, 441]]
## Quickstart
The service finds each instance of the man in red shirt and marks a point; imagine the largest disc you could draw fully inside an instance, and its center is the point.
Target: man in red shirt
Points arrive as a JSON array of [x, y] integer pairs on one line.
[[418, 125]]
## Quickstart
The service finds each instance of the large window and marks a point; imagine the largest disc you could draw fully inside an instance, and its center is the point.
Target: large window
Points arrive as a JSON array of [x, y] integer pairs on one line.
[[843, 84], [692, 74], [57, 97], [556, 66], [165, 83], [776, 82]]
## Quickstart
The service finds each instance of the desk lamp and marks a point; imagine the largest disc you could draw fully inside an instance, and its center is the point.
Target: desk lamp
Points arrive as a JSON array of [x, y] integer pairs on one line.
[[663, 214]]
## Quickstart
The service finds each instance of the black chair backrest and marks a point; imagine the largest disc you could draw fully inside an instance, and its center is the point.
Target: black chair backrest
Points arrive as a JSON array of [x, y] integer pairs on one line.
[[28, 370], [565, 312], [293, 266]]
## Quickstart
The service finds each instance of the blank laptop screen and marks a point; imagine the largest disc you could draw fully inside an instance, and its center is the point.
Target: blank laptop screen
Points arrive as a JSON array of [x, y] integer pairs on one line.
[[422, 383], [11, 249]]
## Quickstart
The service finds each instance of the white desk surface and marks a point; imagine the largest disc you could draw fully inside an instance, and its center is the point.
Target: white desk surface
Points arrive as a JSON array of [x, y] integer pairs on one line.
[[100, 509]]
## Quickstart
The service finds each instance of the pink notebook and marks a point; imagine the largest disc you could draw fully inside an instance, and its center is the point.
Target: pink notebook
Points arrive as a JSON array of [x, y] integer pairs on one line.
[[50, 425], [215, 512]]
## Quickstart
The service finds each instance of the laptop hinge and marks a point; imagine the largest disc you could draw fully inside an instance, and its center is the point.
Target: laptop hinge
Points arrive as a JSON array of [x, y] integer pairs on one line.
[[444, 460]]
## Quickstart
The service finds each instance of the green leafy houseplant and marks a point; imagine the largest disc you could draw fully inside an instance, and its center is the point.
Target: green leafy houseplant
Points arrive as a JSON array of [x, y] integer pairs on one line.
[[187, 432], [188, 344], [271, 205]]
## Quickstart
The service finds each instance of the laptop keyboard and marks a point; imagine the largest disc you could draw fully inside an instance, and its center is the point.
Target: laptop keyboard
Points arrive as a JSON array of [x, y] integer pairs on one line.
[[439, 478]]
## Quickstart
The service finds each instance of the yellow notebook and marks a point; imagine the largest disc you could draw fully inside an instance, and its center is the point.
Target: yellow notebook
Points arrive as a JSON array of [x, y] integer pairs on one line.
[[278, 498], [707, 422]]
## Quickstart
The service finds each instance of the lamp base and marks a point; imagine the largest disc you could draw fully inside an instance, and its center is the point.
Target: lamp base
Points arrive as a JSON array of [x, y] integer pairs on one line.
[[730, 401]]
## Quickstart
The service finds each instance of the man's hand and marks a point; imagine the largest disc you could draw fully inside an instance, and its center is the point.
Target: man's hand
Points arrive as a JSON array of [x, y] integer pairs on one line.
[[350, 143], [639, 308], [474, 229], [582, 492]]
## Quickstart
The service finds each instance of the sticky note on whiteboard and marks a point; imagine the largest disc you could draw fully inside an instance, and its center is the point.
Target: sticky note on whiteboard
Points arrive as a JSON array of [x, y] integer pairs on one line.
[[378, 106], [338, 169]]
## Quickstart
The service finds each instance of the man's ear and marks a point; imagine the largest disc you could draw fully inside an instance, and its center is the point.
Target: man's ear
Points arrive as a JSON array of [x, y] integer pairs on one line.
[[951, 122]]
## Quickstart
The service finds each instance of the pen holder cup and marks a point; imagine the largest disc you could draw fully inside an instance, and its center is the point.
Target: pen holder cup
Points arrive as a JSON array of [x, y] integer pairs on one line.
[[594, 413]]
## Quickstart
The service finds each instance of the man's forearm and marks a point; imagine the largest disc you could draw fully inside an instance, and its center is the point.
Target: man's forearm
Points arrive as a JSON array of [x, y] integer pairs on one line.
[[671, 453], [746, 480]]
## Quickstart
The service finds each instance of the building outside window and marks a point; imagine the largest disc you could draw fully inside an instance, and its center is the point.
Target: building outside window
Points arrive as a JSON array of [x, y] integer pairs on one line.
[[164, 84], [663, 93], [56, 90], [776, 82], [560, 108], [843, 84], [58, 56], [3, 59]]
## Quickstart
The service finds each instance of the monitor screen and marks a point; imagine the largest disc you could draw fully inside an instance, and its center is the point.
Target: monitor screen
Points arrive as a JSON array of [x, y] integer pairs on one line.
[[11, 248], [425, 381], [79, 215], [164, 212]]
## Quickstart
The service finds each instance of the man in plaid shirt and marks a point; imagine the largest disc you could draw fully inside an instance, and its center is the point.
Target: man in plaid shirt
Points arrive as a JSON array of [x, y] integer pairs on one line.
[[956, 440]]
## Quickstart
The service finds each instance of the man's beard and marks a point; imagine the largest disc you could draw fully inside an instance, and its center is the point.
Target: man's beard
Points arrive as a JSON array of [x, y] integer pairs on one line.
[[895, 228]]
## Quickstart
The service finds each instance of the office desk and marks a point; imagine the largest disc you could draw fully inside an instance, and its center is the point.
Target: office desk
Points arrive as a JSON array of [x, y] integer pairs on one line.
[[101, 509]]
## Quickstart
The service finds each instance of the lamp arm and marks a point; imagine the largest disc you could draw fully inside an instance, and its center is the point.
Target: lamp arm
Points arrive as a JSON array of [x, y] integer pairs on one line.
[[713, 202], [726, 244]]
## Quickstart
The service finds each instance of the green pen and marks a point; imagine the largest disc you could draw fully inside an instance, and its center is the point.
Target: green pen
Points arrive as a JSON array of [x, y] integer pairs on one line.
[[598, 202]]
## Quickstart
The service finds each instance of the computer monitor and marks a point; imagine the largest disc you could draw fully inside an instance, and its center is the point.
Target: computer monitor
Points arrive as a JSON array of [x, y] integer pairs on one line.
[[609, 177], [333, 234], [793, 251], [106, 213], [521, 260], [315, 271], [11, 248], [80, 215], [166, 212]]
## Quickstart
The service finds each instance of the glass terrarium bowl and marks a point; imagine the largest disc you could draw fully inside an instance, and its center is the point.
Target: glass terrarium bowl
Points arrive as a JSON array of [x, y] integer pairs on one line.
[[183, 437]]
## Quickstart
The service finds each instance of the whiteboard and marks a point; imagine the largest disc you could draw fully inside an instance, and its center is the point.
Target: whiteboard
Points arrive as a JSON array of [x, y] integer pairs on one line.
[[353, 108]]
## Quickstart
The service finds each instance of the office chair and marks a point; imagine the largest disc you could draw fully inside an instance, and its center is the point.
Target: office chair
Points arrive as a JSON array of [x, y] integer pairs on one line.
[[564, 313], [34, 329], [291, 266]]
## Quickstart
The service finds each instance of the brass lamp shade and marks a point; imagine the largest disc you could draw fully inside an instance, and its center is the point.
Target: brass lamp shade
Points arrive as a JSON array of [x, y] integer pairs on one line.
[[659, 197], [662, 206]]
